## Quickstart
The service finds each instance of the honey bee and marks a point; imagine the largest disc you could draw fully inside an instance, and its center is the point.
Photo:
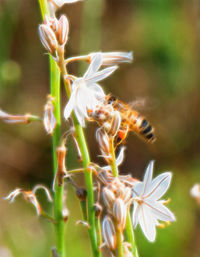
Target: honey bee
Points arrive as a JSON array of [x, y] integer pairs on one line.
[[131, 121]]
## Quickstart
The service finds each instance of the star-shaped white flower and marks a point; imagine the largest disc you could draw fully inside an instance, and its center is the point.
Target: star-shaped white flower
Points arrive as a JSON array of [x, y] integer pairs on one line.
[[86, 93], [148, 209]]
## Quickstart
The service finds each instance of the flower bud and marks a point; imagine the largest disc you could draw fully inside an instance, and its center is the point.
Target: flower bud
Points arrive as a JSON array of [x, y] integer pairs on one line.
[[112, 58], [49, 120], [108, 197], [61, 169], [103, 141], [115, 124], [120, 211], [109, 234], [64, 30], [48, 38]]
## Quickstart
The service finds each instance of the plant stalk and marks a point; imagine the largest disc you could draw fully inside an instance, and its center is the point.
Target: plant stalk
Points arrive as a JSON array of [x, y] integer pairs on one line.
[[58, 196], [80, 137]]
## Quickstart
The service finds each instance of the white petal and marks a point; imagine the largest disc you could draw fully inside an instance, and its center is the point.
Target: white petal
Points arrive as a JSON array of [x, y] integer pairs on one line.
[[80, 117], [138, 189], [70, 105], [148, 178], [98, 91], [159, 186], [147, 222], [94, 66], [135, 214], [100, 75], [160, 211]]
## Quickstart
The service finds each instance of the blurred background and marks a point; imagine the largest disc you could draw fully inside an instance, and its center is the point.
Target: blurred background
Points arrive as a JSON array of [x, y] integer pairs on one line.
[[164, 36]]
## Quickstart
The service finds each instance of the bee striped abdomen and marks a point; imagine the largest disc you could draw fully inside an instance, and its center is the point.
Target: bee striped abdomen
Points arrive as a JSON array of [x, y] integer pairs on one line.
[[147, 131]]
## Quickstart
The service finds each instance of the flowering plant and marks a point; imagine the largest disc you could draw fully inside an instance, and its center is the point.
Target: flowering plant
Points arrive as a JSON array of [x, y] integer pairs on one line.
[[109, 198]]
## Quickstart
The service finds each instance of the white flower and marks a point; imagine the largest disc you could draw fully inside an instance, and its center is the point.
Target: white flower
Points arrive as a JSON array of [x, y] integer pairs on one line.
[[148, 209], [112, 58], [86, 93]]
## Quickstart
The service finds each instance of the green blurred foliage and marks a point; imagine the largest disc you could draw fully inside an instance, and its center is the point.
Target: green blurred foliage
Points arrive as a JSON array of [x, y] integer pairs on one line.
[[164, 36]]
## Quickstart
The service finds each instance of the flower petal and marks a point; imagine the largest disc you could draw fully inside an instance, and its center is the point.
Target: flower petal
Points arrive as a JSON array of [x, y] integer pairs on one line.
[[94, 66], [135, 214], [98, 91], [147, 222], [70, 105], [160, 211], [100, 75], [159, 186], [148, 178]]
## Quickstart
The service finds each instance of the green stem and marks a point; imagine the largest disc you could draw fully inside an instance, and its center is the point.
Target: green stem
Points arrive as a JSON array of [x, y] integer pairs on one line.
[[115, 173], [129, 228], [130, 235], [58, 196], [80, 137]]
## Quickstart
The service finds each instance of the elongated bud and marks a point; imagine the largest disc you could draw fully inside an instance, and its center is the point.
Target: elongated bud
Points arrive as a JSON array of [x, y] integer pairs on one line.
[[113, 58], [17, 119], [115, 124], [103, 141], [53, 23], [64, 30], [108, 197], [120, 213], [49, 120], [48, 38], [109, 234], [61, 169]]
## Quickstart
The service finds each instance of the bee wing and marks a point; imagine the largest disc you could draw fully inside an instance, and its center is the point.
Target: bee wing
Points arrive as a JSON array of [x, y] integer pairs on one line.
[[143, 103]]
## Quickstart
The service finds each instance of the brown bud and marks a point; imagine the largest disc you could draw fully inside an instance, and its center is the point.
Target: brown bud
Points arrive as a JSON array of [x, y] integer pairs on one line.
[[109, 234], [81, 193], [49, 120], [48, 38], [115, 124], [61, 169], [120, 212], [103, 141], [64, 30], [108, 197]]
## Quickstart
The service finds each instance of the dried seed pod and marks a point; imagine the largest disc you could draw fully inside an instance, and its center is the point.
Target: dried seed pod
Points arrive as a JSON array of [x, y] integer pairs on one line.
[[81, 193], [120, 212], [61, 169], [48, 38], [64, 30], [108, 197], [115, 124], [49, 120], [15, 119], [127, 252], [103, 141], [109, 234], [127, 193], [97, 209]]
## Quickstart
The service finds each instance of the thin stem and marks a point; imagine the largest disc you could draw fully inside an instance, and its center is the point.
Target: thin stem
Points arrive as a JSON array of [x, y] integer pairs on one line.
[[115, 173], [130, 235], [80, 137], [58, 196]]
